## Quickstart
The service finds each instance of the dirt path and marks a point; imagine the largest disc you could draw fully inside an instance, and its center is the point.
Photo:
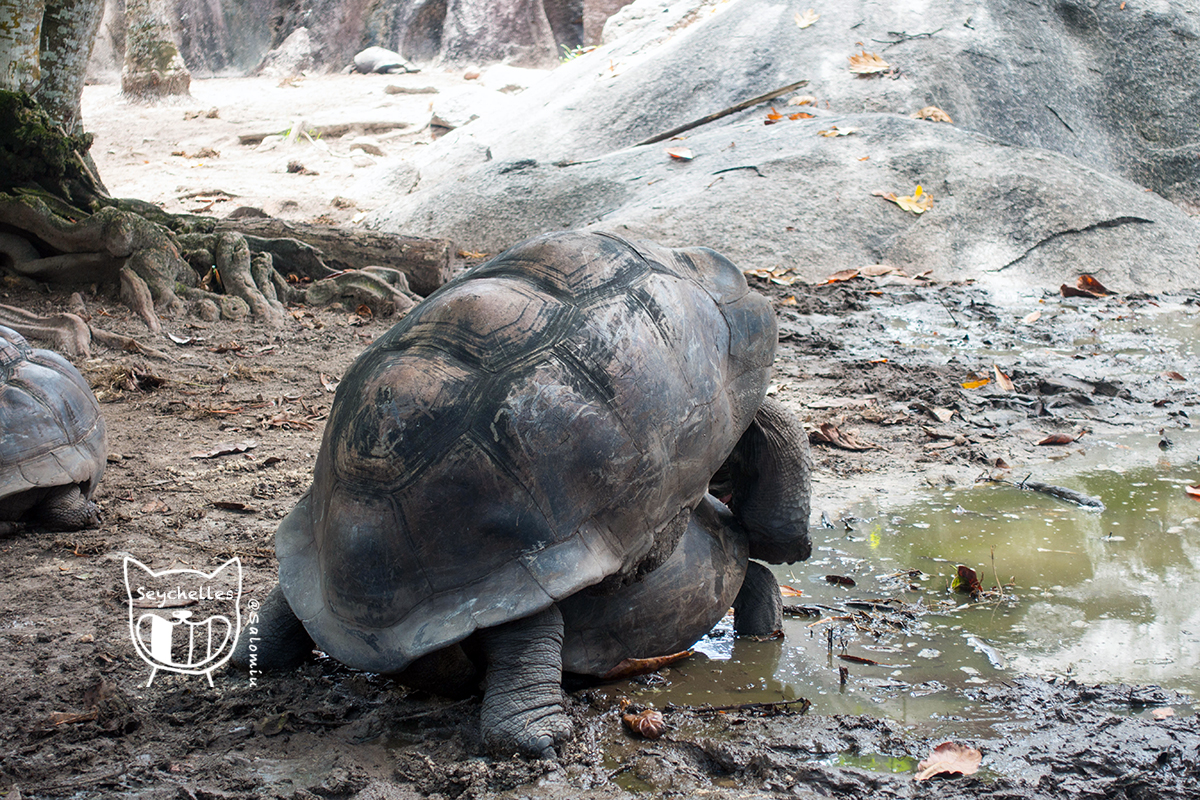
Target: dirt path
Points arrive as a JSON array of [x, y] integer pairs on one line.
[[874, 361]]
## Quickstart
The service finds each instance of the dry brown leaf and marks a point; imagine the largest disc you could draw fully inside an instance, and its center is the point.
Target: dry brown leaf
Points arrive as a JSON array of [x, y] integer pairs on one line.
[[828, 433], [917, 203], [774, 115], [879, 270], [950, 757], [802, 100], [1173, 375], [1032, 317], [681, 153], [800, 115], [789, 591], [1162, 713], [649, 724], [868, 64], [859, 660], [1003, 381], [1193, 491], [226, 449], [840, 580], [974, 381], [632, 667], [933, 114], [1059, 438], [807, 18], [1085, 286], [842, 275], [941, 414], [834, 130]]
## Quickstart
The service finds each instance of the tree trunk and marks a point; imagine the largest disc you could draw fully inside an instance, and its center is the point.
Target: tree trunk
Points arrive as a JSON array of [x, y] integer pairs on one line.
[[153, 66], [20, 37], [68, 32]]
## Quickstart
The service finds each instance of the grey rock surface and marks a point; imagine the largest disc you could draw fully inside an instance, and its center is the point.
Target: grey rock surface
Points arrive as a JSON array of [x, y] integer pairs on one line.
[[784, 196], [1071, 126]]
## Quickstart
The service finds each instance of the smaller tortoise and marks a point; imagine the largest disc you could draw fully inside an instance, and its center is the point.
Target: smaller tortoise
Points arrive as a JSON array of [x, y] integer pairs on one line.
[[52, 440]]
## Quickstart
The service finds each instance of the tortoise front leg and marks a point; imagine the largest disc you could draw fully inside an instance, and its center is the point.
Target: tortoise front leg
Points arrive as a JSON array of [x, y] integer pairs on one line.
[[523, 704], [277, 637], [770, 471]]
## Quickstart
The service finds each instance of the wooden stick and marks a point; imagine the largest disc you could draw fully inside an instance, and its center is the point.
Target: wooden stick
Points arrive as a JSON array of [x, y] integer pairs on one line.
[[791, 87]]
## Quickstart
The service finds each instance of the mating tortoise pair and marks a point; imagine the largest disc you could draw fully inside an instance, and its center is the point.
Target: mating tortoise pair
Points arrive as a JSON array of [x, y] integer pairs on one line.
[[514, 481]]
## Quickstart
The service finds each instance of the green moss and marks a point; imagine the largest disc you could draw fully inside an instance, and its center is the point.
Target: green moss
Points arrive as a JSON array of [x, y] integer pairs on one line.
[[35, 153]]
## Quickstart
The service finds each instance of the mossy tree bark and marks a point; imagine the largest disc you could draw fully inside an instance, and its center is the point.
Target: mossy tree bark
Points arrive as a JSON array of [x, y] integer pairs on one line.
[[153, 66]]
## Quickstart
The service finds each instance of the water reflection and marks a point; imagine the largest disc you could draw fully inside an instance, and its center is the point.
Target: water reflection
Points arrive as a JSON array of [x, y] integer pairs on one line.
[[1109, 596]]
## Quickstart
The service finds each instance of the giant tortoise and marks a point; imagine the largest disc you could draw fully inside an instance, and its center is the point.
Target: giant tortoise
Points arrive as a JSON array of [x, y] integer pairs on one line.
[[531, 443], [52, 439]]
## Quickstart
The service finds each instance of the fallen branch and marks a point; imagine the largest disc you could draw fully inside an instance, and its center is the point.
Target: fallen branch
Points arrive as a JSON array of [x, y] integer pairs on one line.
[[762, 98], [1058, 492], [334, 131], [802, 701]]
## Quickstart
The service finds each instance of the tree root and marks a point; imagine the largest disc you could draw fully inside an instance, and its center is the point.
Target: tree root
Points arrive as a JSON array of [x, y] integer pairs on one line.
[[69, 333]]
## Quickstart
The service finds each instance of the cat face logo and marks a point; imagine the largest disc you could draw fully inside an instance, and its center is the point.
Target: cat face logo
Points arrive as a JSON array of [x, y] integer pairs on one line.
[[184, 620]]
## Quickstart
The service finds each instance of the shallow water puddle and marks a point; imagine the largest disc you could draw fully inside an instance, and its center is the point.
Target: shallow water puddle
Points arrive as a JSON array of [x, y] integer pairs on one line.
[[1108, 596]]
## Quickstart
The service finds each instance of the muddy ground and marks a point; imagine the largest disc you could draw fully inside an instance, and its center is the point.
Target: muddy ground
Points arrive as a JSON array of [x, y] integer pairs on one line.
[[875, 362]]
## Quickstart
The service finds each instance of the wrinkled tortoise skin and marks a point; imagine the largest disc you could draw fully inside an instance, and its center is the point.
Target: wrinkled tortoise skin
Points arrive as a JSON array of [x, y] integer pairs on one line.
[[544, 423], [51, 433]]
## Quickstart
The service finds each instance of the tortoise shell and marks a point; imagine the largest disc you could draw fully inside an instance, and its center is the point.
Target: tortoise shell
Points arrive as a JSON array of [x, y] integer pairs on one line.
[[529, 430], [51, 431]]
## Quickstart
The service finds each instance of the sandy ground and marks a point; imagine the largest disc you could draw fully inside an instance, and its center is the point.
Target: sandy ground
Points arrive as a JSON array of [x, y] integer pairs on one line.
[[80, 720]]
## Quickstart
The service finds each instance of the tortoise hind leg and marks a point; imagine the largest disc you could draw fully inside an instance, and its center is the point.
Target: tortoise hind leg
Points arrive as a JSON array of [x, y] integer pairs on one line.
[[770, 479], [758, 607], [64, 508], [523, 703], [272, 638]]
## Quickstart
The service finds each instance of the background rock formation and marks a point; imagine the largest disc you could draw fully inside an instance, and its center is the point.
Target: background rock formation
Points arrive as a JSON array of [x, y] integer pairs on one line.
[[1092, 85]]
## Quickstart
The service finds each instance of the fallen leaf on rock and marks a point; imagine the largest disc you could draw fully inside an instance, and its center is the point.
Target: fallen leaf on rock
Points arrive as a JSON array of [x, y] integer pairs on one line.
[[974, 381], [917, 203], [1059, 438], [649, 724], [680, 153], [1003, 381], [774, 115], [1085, 286], [327, 383], [800, 115], [1089, 284], [155, 506], [274, 724], [69, 718], [834, 130], [1000, 463], [226, 449], [842, 275], [790, 300], [1162, 713], [803, 100], [949, 758], [933, 114], [471, 254], [1193, 491], [868, 64], [941, 414], [1172, 375], [807, 18], [829, 433], [879, 270], [1032, 318], [789, 591]]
